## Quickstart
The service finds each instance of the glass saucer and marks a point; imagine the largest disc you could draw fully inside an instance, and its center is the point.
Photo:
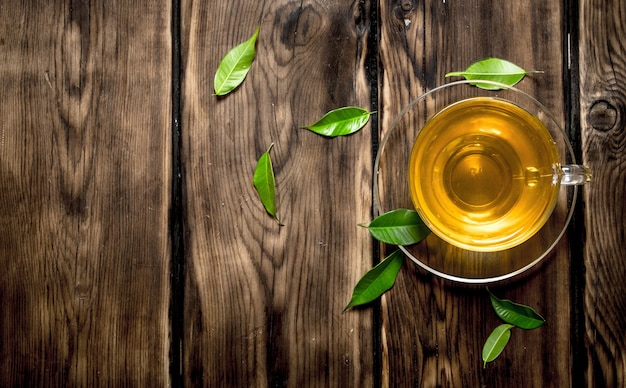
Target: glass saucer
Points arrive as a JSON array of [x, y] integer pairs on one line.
[[435, 255]]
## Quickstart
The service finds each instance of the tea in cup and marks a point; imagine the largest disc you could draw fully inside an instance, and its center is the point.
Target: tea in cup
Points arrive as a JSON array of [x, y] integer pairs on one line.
[[484, 174]]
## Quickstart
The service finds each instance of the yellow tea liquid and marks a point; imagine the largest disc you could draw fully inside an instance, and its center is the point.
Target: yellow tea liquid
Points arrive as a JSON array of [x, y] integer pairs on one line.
[[481, 174]]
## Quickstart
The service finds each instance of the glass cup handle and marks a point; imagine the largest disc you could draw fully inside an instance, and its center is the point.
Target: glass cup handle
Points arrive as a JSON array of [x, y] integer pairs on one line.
[[573, 174]]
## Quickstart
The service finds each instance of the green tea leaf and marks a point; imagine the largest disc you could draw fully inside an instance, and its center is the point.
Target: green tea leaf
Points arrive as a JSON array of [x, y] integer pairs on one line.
[[516, 314], [340, 122], [264, 182], [492, 69], [399, 227], [377, 280], [235, 65], [496, 342]]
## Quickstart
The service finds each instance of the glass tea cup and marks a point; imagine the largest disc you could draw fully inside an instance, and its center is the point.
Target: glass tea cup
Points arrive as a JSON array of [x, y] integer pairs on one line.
[[491, 173]]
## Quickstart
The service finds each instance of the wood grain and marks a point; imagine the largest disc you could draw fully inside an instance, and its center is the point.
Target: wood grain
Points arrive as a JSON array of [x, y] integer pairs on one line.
[[264, 302], [84, 170], [603, 112], [433, 331]]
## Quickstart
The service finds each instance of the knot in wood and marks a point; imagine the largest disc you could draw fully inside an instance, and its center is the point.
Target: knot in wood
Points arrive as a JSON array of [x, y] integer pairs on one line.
[[406, 5], [602, 115]]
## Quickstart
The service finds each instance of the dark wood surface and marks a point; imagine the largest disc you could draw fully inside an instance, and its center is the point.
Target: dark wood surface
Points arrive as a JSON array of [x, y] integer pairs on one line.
[[85, 169], [135, 251], [602, 69], [263, 302]]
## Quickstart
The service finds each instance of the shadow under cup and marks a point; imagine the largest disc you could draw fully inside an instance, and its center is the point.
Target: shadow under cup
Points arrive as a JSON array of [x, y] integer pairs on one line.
[[391, 189]]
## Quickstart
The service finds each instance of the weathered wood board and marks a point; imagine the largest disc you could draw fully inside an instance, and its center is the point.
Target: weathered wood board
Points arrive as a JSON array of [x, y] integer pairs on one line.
[[433, 330], [602, 54], [264, 301], [85, 176]]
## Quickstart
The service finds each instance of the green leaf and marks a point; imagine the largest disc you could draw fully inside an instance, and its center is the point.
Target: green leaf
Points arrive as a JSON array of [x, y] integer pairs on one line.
[[399, 227], [496, 342], [492, 69], [340, 122], [516, 314], [235, 66], [264, 182], [377, 280]]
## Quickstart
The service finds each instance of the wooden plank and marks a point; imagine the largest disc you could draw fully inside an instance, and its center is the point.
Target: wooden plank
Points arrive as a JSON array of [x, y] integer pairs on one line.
[[84, 175], [264, 302], [603, 101], [433, 330]]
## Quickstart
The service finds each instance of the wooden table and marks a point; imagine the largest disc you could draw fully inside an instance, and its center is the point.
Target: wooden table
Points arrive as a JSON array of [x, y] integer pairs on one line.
[[135, 251]]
